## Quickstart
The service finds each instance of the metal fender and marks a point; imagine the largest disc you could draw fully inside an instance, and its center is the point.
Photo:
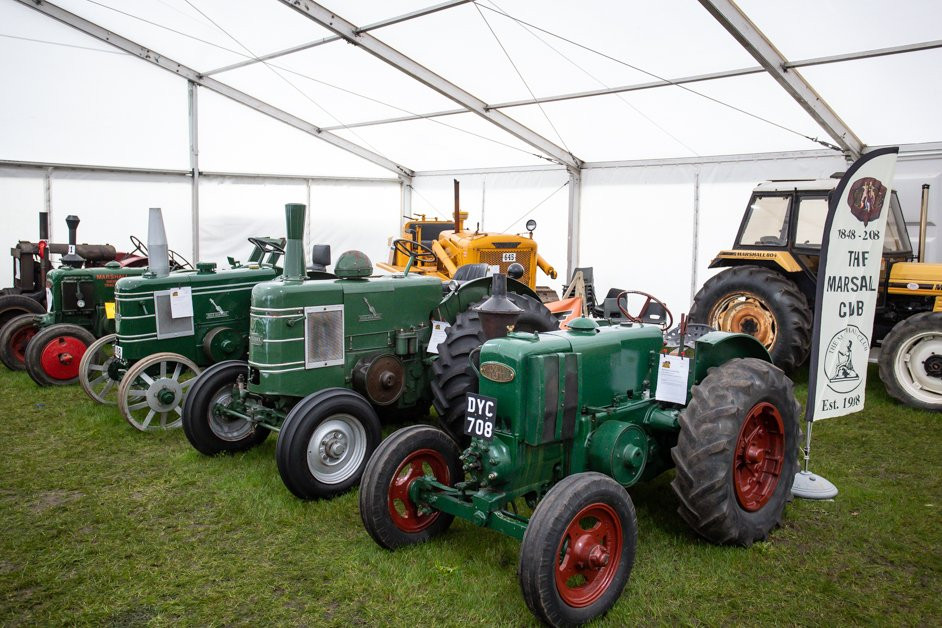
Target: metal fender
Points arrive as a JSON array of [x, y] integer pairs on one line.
[[718, 347], [471, 292]]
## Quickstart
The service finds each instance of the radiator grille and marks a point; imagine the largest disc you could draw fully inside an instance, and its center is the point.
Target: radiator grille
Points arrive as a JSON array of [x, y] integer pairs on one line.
[[495, 257], [323, 336]]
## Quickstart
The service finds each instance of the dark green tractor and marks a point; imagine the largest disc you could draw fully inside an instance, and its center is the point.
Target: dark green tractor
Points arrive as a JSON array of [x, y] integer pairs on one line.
[[563, 423], [332, 355]]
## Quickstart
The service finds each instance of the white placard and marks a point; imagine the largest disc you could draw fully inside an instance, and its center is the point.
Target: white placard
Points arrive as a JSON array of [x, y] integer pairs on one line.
[[848, 286], [181, 302], [438, 335], [672, 374]]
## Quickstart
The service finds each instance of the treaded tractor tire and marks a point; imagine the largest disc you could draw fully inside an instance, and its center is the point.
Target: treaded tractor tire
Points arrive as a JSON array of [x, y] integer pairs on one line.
[[54, 353], [584, 518], [14, 338], [737, 452], [453, 376], [389, 516], [15, 304], [342, 430], [762, 303], [210, 388], [911, 361]]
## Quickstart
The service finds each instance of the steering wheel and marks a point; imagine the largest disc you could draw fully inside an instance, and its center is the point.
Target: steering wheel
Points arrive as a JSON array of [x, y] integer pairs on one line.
[[413, 248], [267, 247], [139, 247], [649, 299], [177, 261]]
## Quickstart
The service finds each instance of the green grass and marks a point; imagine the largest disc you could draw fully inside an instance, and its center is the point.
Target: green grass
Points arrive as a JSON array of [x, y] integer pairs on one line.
[[104, 525]]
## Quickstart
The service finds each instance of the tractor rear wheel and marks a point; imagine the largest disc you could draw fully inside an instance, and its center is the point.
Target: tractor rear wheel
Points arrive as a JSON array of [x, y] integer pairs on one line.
[[388, 512], [762, 303], [737, 452], [15, 304], [210, 431], [100, 372], [152, 392], [14, 338], [325, 442], [578, 549], [454, 375], [53, 354], [911, 361]]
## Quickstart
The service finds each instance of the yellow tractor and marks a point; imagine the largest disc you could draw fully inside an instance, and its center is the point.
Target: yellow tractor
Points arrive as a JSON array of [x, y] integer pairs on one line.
[[447, 250], [768, 286]]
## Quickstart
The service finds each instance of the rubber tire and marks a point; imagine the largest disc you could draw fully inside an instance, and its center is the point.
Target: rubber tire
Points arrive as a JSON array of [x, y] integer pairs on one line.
[[789, 307], [195, 411], [12, 327], [378, 475], [453, 376], [539, 555], [893, 343], [38, 342], [15, 304], [299, 427], [709, 430]]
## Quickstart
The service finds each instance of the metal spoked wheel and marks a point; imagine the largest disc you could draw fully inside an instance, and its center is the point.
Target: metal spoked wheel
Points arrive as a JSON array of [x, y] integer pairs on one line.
[[152, 393], [100, 372], [337, 449]]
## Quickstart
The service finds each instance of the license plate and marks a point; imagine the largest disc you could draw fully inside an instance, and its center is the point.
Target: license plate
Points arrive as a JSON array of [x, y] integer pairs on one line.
[[118, 353], [480, 416]]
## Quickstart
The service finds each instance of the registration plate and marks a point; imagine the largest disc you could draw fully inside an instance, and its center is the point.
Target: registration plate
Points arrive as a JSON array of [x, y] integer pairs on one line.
[[480, 416], [118, 353]]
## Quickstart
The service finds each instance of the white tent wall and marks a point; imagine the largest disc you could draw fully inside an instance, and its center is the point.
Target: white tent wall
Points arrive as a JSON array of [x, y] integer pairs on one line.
[[21, 200]]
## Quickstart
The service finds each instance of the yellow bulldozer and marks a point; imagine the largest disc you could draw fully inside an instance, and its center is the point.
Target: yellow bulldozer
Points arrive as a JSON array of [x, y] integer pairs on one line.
[[448, 250]]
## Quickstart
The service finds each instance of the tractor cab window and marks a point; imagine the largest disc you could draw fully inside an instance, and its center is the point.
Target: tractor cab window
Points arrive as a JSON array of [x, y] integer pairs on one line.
[[766, 222], [896, 241], [812, 214]]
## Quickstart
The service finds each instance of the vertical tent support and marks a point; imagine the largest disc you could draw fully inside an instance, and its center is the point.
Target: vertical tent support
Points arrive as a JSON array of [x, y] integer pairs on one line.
[[575, 221], [47, 201], [695, 245], [405, 199], [308, 240], [194, 168]]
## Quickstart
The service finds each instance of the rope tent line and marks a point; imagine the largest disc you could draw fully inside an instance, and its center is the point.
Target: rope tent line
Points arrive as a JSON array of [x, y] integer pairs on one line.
[[64, 45], [535, 207]]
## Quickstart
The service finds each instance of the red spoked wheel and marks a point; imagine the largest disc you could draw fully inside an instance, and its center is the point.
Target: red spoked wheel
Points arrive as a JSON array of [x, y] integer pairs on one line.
[[14, 337], [759, 455], [402, 510], [54, 353], [389, 514], [578, 549]]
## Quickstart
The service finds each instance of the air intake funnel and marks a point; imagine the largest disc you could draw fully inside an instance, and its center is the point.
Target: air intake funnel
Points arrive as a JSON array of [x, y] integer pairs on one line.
[[72, 258], [158, 257], [294, 248]]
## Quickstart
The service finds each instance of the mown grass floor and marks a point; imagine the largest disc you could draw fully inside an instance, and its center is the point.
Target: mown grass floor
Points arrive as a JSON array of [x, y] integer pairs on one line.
[[104, 525]]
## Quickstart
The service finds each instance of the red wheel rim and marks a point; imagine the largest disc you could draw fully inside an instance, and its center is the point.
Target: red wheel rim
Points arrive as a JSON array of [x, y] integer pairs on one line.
[[759, 455], [588, 555], [61, 356], [402, 509], [19, 340]]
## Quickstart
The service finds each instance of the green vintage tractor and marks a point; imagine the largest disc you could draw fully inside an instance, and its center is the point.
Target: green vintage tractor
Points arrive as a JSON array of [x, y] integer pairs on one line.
[[169, 325], [563, 423], [330, 356]]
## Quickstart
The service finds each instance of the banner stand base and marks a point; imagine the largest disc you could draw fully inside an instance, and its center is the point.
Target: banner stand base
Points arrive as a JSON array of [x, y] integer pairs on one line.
[[809, 485]]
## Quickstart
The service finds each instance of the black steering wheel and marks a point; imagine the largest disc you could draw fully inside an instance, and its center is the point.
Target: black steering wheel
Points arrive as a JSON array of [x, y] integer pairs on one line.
[[649, 299], [139, 247], [413, 248], [177, 261], [267, 247]]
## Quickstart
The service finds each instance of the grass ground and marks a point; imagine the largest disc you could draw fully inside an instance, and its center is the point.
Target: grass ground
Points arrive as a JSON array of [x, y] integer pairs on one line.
[[104, 525]]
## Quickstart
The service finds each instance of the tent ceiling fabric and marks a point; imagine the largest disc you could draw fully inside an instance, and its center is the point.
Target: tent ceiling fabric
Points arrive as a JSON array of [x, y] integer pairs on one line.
[[469, 45]]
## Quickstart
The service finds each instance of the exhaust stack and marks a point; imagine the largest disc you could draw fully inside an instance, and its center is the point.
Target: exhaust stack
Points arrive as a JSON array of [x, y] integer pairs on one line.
[[923, 221], [158, 256], [294, 248], [43, 225], [72, 258]]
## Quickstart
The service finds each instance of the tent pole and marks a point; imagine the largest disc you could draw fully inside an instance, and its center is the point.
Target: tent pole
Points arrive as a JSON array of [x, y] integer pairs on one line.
[[194, 168]]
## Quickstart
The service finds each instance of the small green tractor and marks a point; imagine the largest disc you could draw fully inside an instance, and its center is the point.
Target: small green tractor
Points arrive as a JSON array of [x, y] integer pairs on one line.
[[331, 354], [169, 325], [563, 422]]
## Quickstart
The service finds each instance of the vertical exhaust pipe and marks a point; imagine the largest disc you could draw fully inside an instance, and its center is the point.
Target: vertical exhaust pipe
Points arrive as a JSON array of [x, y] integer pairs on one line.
[[72, 258], [923, 221], [158, 255], [458, 225], [294, 248], [43, 225]]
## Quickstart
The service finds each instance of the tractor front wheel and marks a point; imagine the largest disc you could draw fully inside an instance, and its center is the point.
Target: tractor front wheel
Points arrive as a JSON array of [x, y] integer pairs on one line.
[[12, 305], [762, 303], [209, 430], [911, 361], [386, 507], [152, 392], [578, 549], [53, 354], [100, 372], [14, 337], [325, 442], [737, 452]]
